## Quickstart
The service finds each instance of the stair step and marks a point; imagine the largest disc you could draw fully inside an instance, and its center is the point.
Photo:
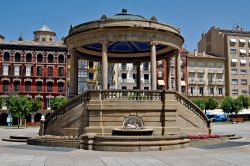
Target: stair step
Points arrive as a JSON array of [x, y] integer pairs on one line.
[[19, 137], [14, 140]]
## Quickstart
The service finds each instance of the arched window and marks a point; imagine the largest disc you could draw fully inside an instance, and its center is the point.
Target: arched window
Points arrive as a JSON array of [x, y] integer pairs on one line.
[[50, 58], [39, 58], [61, 58], [17, 57], [6, 56], [28, 57]]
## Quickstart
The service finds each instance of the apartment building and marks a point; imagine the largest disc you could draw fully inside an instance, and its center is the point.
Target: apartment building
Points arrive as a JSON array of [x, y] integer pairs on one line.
[[205, 75], [36, 69], [234, 45]]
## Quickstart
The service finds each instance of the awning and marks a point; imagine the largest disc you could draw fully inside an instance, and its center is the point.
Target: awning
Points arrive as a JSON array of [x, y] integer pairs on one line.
[[233, 40], [243, 61], [243, 51], [242, 41], [234, 60], [161, 82], [183, 83]]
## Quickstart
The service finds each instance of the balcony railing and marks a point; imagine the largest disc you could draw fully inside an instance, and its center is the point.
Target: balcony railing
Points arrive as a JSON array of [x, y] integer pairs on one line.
[[211, 70], [200, 70], [191, 81], [191, 70], [201, 81]]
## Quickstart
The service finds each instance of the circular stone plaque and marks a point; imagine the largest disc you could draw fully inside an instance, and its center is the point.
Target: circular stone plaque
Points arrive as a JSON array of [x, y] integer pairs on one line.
[[133, 122]]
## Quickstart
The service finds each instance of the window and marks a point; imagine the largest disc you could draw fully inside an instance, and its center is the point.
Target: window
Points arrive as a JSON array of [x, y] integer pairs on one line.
[[124, 76], [28, 57], [201, 91], [5, 86], [28, 86], [91, 64], [61, 58], [61, 71], [234, 91], [39, 58], [220, 91], [60, 86], [110, 79], [234, 82], [124, 87], [50, 71], [28, 70], [39, 71], [124, 65], [160, 74], [6, 56], [232, 51], [16, 86], [49, 86], [5, 70], [82, 74], [146, 76], [243, 81], [134, 76], [39, 86], [145, 66], [47, 103], [243, 72], [211, 91], [234, 71], [17, 57], [244, 91], [91, 76], [146, 88], [192, 91], [50, 58], [219, 76], [16, 70]]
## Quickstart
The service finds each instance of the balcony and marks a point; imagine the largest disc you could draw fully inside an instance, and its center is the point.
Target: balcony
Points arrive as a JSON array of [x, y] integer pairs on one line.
[[191, 81], [212, 82], [220, 71], [201, 81], [211, 70], [200, 70], [220, 82], [191, 70]]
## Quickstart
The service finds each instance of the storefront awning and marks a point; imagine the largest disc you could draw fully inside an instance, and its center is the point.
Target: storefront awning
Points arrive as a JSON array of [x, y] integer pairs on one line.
[[233, 40], [234, 60], [243, 51], [161, 82]]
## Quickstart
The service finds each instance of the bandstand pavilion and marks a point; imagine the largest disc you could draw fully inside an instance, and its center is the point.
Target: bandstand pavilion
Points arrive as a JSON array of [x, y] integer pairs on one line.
[[124, 38]]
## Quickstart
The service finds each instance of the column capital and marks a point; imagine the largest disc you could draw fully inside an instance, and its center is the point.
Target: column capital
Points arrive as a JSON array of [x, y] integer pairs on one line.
[[104, 42], [154, 42]]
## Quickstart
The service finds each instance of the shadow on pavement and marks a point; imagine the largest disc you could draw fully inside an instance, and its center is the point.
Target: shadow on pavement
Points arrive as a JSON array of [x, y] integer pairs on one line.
[[44, 148], [229, 144]]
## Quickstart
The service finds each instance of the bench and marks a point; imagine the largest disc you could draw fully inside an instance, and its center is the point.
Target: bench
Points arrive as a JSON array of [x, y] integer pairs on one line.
[[236, 120]]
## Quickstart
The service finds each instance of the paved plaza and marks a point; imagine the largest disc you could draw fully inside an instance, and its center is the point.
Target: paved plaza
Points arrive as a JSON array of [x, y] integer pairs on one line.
[[234, 152]]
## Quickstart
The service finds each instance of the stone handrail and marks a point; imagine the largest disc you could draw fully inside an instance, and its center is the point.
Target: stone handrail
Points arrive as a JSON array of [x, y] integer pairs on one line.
[[191, 106], [74, 102], [133, 94]]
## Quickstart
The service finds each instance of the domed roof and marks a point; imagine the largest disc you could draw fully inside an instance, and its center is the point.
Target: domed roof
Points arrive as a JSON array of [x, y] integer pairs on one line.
[[126, 16], [44, 28]]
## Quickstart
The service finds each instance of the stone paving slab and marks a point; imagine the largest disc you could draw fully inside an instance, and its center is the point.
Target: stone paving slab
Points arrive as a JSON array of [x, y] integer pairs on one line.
[[233, 153]]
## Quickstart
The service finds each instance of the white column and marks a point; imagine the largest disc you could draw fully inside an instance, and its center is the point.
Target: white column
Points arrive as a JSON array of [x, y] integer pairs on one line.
[[178, 72], [105, 65], [153, 66], [169, 73]]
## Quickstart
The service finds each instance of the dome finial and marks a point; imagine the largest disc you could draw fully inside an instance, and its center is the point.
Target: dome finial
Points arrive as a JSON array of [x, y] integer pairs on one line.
[[124, 11]]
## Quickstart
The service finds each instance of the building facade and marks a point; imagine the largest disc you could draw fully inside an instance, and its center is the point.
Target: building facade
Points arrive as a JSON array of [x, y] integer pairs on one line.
[[234, 45], [205, 75], [35, 69]]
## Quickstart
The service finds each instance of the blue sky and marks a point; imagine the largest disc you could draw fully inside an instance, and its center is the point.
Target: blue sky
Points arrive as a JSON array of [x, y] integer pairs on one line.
[[191, 16]]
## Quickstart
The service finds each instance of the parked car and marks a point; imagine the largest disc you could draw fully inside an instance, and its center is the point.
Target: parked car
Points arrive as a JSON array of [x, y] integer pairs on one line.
[[219, 118]]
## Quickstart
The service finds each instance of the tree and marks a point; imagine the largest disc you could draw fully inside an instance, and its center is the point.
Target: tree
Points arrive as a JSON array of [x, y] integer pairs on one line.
[[57, 102], [230, 105], [19, 107], [244, 100], [200, 103], [210, 104], [36, 105]]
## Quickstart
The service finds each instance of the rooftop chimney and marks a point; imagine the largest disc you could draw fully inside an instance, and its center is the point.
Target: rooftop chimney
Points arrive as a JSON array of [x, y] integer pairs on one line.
[[2, 39], [195, 52]]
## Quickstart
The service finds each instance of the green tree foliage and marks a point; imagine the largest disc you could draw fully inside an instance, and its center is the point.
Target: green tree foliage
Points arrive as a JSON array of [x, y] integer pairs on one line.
[[200, 103], [19, 106], [1, 102], [36, 105], [230, 105], [210, 104], [57, 102], [244, 100]]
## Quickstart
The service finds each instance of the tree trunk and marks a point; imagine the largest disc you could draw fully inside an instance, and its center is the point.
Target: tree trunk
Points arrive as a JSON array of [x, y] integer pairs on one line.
[[18, 122]]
